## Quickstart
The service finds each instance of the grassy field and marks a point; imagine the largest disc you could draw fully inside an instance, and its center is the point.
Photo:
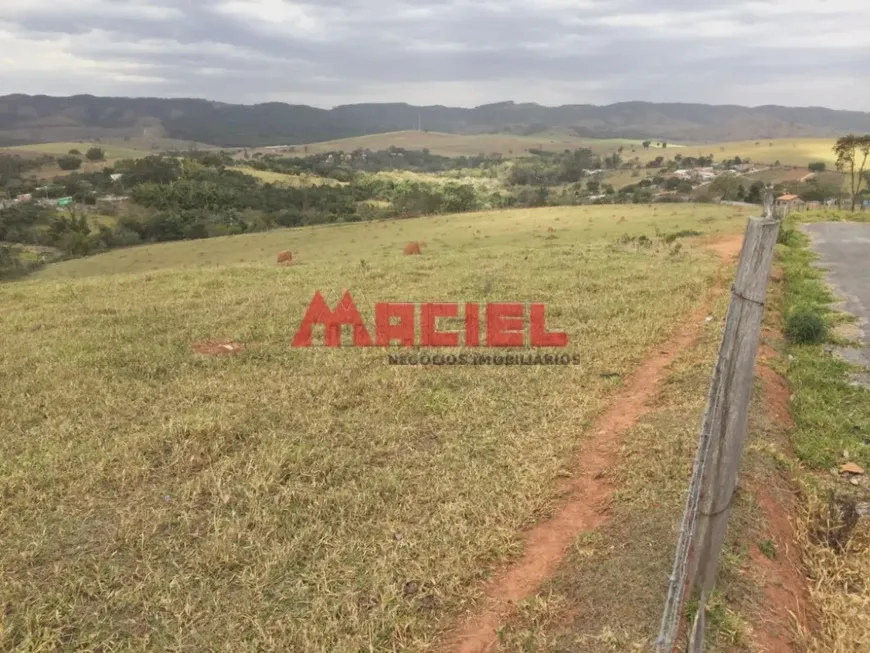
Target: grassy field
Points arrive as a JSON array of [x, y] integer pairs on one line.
[[793, 152], [115, 151], [342, 244], [269, 177], [304, 500], [467, 144], [620, 178], [112, 150], [300, 180], [788, 151]]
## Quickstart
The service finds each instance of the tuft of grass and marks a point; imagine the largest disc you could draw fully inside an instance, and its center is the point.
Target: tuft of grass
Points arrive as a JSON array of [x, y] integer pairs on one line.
[[683, 233], [768, 548], [787, 236], [805, 326]]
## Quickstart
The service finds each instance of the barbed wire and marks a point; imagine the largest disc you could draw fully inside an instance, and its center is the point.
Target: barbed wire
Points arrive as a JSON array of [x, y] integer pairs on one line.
[[680, 573]]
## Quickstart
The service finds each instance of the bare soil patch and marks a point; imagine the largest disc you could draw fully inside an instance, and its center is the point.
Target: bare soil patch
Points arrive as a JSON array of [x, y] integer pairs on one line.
[[727, 247]]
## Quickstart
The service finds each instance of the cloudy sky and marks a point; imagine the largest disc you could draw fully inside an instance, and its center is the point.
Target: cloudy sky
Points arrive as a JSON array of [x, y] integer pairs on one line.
[[452, 52]]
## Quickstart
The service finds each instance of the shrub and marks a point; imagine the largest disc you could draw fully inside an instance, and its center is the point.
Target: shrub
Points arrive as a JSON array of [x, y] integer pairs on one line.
[[805, 327], [69, 162], [95, 154]]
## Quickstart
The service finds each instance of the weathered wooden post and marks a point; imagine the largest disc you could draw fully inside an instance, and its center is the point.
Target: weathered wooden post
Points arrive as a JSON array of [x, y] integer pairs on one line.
[[723, 434], [730, 417]]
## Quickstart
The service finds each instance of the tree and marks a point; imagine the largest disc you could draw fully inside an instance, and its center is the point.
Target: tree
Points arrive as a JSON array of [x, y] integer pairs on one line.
[[727, 188], [95, 154], [69, 163], [75, 152], [646, 144], [664, 143], [852, 152], [754, 194], [817, 166], [685, 187]]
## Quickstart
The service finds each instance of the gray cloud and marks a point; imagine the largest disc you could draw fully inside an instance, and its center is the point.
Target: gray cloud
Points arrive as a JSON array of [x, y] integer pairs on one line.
[[454, 52]]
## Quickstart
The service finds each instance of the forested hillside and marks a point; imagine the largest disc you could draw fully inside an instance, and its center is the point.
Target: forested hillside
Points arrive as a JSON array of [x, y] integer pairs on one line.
[[34, 119]]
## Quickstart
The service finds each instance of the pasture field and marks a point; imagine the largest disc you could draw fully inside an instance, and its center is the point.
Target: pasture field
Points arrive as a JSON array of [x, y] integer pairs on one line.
[[331, 244], [115, 151], [112, 150], [307, 499], [778, 175], [788, 151], [300, 180], [269, 177], [509, 145], [620, 178]]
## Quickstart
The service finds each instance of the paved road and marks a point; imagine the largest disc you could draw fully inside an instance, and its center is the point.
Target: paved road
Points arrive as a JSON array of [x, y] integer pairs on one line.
[[844, 252]]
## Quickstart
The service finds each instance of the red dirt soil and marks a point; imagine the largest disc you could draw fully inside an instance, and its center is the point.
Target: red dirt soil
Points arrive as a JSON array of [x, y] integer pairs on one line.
[[218, 347], [589, 492], [412, 249], [786, 597], [285, 258], [785, 591], [727, 247]]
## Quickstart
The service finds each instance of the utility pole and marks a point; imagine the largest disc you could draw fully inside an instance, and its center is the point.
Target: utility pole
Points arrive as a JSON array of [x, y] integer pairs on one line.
[[419, 121]]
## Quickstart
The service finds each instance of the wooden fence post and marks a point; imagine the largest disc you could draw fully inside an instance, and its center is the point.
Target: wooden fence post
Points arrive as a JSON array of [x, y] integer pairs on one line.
[[730, 405]]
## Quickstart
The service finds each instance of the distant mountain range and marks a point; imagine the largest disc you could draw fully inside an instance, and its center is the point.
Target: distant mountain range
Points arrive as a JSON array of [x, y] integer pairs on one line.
[[34, 119]]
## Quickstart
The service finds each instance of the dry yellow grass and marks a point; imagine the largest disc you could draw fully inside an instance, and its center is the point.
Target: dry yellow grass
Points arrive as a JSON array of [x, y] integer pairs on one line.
[[301, 500], [839, 579], [607, 596], [463, 233], [267, 176], [463, 144], [789, 151]]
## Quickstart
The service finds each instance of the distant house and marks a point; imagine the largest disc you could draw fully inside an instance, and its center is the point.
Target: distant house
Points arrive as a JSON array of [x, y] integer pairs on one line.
[[112, 199], [789, 200]]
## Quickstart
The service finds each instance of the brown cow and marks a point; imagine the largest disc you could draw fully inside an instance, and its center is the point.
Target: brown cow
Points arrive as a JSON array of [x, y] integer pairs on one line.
[[285, 258], [412, 248]]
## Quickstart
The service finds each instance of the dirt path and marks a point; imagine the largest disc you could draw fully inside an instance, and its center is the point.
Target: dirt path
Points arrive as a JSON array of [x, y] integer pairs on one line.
[[589, 492]]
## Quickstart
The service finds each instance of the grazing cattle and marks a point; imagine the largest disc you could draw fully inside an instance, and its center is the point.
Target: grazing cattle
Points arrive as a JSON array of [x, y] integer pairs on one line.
[[285, 257], [412, 248]]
